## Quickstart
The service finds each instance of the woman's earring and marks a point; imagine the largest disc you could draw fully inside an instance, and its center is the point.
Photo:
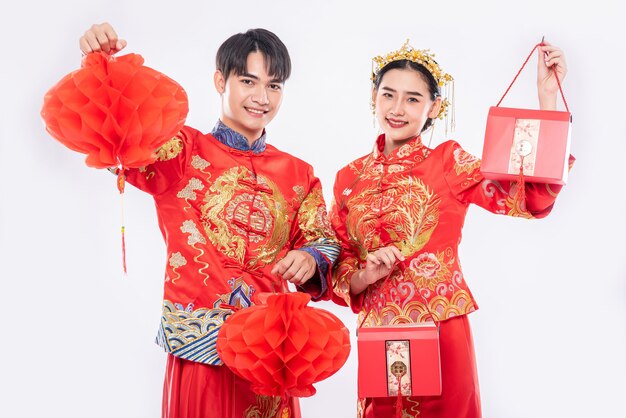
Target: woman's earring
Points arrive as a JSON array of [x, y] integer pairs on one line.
[[373, 107]]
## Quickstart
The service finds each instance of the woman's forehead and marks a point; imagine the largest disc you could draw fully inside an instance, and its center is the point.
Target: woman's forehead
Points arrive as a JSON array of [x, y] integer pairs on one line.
[[404, 79]]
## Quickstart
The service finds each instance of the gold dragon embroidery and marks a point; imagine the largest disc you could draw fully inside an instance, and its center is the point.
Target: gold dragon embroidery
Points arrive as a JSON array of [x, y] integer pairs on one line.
[[218, 215]]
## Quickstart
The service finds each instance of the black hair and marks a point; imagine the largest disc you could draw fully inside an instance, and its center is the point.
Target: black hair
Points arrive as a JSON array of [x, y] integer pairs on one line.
[[433, 87], [232, 55]]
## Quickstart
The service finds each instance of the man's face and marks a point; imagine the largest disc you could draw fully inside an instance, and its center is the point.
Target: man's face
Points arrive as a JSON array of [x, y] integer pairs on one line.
[[249, 101]]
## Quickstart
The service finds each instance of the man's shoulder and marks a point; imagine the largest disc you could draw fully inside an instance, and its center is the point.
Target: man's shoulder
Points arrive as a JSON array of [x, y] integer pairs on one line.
[[191, 132], [273, 152]]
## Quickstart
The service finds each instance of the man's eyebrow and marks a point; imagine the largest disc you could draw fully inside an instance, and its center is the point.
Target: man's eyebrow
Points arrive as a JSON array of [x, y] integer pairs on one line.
[[254, 77], [248, 75]]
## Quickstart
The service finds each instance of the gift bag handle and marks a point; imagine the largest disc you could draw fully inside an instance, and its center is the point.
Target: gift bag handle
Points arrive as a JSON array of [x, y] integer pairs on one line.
[[558, 82]]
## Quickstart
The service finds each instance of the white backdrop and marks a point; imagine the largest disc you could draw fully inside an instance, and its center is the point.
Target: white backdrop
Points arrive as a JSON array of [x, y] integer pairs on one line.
[[78, 336]]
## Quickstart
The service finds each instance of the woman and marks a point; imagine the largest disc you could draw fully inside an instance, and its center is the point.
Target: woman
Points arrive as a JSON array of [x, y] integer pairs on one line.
[[399, 212]]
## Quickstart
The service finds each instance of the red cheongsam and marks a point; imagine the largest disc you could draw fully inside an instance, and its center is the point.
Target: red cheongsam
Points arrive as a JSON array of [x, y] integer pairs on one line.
[[416, 198]]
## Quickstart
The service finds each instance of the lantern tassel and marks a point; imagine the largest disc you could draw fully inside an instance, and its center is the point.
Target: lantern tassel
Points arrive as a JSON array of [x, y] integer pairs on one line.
[[121, 181]]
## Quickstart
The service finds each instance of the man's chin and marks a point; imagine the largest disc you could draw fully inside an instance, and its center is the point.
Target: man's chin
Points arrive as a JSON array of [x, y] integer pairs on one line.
[[256, 124]]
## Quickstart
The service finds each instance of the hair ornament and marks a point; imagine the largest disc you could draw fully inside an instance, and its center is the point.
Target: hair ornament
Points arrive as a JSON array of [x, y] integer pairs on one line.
[[425, 58]]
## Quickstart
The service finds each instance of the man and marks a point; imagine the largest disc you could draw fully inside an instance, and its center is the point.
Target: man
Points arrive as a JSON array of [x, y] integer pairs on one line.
[[238, 217]]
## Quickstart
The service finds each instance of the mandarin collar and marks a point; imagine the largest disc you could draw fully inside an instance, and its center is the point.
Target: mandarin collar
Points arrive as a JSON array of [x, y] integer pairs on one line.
[[411, 148], [234, 139]]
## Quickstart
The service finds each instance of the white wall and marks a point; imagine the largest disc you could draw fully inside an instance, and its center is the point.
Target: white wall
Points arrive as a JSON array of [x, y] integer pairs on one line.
[[77, 336]]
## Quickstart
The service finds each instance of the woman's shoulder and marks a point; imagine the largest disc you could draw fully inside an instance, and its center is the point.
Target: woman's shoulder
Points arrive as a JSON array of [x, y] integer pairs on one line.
[[452, 149], [353, 168], [447, 146]]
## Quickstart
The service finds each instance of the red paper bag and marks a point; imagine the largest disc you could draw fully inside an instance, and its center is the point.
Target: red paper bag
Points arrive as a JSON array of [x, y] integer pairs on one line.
[[533, 145], [409, 352], [541, 137]]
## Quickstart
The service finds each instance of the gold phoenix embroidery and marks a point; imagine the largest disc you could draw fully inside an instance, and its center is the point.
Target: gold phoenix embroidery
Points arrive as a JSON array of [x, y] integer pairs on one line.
[[415, 208]]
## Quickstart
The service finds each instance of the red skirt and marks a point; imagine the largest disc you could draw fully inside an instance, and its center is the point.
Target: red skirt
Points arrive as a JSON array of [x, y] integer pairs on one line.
[[196, 390], [460, 396]]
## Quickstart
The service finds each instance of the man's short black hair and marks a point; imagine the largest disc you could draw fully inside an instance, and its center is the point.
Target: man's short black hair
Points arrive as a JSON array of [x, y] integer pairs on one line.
[[232, 55]]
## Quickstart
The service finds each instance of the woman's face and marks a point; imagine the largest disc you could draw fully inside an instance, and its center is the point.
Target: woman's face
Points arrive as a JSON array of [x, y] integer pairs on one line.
[[403, 104]]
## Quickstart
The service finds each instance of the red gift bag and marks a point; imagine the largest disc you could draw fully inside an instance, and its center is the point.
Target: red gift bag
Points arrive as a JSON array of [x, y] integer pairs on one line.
[[527, 144], [404, 357], [399, 360]]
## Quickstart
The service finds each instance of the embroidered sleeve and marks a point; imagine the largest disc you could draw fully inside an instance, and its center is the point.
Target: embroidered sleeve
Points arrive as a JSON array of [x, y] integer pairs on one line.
[[462, 173], [314, 234], [348, 261], [168, 169], [171, 149]]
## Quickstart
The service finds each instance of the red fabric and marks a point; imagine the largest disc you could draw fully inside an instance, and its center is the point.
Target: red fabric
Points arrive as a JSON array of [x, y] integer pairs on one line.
[[196, 390], [115, 110], [416, 198], [380, 347], [283, 346], [203, 211], [227, 217], [543, 133], [460, 396]]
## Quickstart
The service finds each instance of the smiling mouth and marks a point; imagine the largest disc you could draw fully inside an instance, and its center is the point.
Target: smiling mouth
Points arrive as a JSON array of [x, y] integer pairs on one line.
[[396, 123], [259, 112]]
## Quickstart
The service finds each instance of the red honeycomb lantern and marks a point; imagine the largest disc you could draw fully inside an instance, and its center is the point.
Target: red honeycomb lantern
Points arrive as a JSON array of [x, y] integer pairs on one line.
[[283, 346], [115, 110]]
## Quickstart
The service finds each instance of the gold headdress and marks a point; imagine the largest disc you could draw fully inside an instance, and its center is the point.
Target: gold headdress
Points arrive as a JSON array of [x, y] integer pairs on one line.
[[427, 59]]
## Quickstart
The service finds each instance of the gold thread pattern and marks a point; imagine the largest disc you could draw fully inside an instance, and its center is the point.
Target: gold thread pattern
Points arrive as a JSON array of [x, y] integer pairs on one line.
[[313, 218], [464, 162], [189, 191], [427, 270], [234, 212], [177, 260], [266, 407], [195, 237], [170, 149], [439, 307], [199, 163], [415, 207]]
